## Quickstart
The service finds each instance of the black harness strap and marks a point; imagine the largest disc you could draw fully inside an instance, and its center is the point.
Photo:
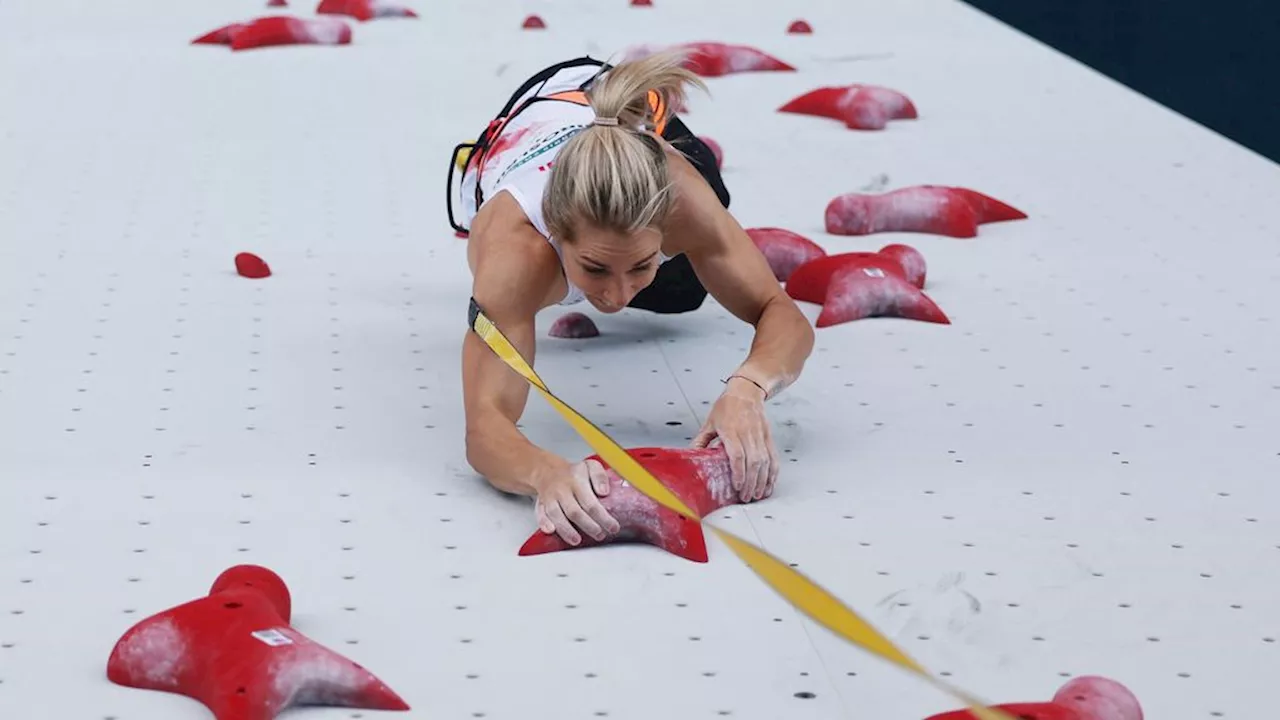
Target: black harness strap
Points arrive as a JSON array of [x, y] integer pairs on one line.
[[486, 138]]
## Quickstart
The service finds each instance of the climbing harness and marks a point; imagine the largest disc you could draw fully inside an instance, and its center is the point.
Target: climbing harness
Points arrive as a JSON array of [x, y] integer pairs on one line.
[[478, 151]]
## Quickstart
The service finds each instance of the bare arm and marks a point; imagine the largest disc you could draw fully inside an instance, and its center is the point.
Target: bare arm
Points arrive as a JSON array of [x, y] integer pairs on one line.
[[736, 274], [512, 278]]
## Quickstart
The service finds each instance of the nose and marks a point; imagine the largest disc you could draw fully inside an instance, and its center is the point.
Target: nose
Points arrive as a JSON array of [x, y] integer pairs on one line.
[[616, 293]]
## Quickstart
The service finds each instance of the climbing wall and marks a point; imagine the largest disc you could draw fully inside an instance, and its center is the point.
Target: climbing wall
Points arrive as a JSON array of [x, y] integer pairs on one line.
[[1075, 476]]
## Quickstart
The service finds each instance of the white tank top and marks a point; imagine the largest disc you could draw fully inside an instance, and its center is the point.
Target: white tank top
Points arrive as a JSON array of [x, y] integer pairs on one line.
[[520, 159]]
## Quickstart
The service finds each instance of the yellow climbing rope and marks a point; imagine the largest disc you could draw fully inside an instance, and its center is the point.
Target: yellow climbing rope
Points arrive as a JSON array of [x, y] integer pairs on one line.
[[804, 594]]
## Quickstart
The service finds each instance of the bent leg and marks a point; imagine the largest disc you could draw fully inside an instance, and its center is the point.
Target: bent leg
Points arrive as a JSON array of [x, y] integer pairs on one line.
[[683, 139], [676, 288]]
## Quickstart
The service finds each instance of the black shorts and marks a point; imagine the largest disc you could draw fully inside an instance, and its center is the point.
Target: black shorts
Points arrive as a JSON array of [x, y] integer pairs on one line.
[[676, 288]]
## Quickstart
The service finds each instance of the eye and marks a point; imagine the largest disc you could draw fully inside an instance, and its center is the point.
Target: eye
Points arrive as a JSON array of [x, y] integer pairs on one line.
[[595, 270], [641, 268]]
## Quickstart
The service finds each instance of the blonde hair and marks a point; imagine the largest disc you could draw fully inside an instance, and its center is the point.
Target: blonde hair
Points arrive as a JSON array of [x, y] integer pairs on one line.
[[615, 177]]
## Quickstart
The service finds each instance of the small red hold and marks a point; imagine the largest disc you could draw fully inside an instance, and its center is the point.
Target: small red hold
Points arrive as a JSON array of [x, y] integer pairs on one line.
[[940, 210], [715, 149], [277, 3], [784, 250], [533, 22], [573, 325], [866, 290], [713, 59], [461, 234], [859, 107], [1099, 698], [279, 30], [641, 3], [809, 282], [800, 27], [234, 651], [251, 266], [700, 477], [364, 10]]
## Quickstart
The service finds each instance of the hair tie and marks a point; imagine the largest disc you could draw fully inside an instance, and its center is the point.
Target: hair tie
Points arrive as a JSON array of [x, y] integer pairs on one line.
[[610, 121]]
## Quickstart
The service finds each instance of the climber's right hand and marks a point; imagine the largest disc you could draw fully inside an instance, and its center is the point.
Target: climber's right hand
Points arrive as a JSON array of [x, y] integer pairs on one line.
[[568, 500]]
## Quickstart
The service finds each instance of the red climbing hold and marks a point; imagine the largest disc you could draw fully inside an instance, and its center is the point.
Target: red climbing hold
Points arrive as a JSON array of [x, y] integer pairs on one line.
[[221, 36], [715, 149], [272, 31], [1022, 711], [713, 59], [912, 262], [866, 290], [784, 250], [641, 3], [800, 27], [261, 579], [235, 652], [364, 10], [1099, 698], [251, 266], [810, 281], [279, 30], [698, 476], [859, 107], [952, 211], [573, 325], [533, 22], [277, 3]]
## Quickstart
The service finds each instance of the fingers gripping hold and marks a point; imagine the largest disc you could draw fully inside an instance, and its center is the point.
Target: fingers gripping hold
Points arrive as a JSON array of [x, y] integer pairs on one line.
[[599, 478], [564, 528]]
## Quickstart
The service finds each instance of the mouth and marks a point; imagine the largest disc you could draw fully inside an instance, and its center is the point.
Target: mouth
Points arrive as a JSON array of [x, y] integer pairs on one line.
[[603, 306]]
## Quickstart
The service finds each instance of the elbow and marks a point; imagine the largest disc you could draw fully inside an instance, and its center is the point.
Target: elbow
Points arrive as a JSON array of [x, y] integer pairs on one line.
[[474, 448], [805, 336]]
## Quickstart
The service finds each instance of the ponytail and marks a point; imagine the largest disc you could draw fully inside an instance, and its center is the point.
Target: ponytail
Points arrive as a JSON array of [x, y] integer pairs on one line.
[[614, 176]]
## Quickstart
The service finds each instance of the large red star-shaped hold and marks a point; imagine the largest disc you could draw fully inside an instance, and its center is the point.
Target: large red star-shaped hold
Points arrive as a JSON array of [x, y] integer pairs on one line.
[[859, 107], [935, 209], [856, 285], [784, 250], [1021, 711], [714, 59], [235, 652], [700, 477], [279, 30], [1088, 697]]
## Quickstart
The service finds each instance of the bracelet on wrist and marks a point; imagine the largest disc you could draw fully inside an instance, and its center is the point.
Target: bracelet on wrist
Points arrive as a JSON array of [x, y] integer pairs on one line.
[[753, 382]]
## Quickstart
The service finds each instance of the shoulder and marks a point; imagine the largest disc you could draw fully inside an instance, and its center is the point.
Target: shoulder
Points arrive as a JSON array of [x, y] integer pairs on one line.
[[513, 267], [698, 222]]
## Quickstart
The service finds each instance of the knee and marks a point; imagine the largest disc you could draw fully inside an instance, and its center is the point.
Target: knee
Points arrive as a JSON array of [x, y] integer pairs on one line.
[[683, 302]]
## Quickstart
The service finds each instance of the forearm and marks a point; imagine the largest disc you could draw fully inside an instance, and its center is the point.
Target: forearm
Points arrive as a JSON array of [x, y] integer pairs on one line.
[[783, 342], [503, 455]]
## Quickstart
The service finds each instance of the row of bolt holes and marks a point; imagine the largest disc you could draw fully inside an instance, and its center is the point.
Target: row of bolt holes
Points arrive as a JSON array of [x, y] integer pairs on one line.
[[571, 606], [311, 460], [247, 496]]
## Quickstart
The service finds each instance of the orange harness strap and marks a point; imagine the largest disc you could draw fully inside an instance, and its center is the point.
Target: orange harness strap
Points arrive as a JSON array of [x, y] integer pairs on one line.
[[579, 97], [656, 104]]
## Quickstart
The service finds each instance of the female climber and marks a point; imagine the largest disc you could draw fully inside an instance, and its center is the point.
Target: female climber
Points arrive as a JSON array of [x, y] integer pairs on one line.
[[586, 187]]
